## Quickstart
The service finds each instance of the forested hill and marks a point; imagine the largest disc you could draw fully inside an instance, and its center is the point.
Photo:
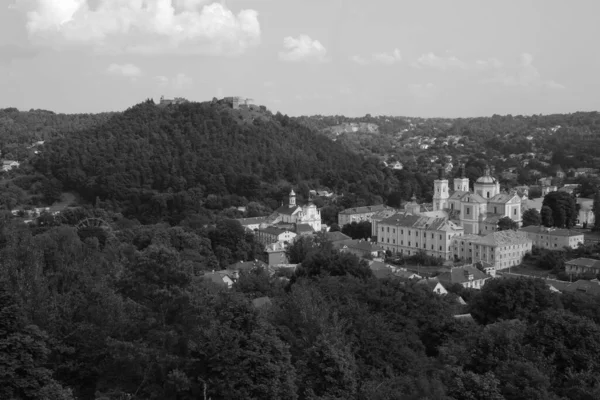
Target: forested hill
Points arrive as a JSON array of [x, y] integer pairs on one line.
[[150, 158], [20, 129]]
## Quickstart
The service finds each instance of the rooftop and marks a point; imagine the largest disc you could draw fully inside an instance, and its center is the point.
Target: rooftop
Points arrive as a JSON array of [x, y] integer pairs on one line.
[[500, 238], [365, 210], [584, 262], [423, 222], [461, 275], [550, 231], [252, 221]]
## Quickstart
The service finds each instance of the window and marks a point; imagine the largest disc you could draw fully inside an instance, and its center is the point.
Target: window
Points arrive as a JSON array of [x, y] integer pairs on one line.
[[402, 242], [488, 195], [432, 235], [431, 247], [394, 230], [424, 246], [394, 241], [495, 210], [514, 211], [409, 245], [402, 231], [440, 248], [388, 229], [440, 237], [468, 209], [409, 232], [382, 229], [424, 234]]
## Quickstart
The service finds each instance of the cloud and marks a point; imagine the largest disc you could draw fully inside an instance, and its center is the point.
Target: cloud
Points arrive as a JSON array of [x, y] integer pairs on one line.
[[490, 63], [379, 58], [525, 75], [303, 49], [179, 81], [142, 26], [430, 60], [127, 70], [423, 91]]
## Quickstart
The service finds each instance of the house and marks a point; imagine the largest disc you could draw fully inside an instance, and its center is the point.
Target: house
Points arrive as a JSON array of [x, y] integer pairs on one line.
[[581, 266], [548, 189], [409, 234], [547, 181], [560, 174], [582, 286], [468, 276], [406, 274], [397, 166], [359, 214], [586, 212], [276, 254], [7, 165], [219, 278], [498, 250], [434, 285], [271, 234], [253, 224], [304, 229], [552, 238], [246, 266], [360, 248]]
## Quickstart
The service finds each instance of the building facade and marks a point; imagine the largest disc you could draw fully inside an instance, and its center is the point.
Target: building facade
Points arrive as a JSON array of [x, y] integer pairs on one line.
[[292, 213], [274, 235], [359, 214], [468, 276], [552, 238], [497, 250], [408, 234], [473, 208]]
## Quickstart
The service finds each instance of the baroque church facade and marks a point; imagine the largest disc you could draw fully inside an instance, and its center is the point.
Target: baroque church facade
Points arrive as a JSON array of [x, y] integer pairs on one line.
[[292, 213], [477, 211]]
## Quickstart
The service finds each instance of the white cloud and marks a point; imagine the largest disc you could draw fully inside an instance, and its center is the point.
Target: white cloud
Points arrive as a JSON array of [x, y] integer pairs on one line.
[[491, 63], [525, 75], [179, 81], [430, 60], [379, 58], [423, 91], [303, 49], [142, 26], [128, 70]]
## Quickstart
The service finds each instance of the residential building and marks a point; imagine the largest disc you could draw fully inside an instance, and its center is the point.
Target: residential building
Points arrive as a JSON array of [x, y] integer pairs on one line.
[[497, 250], [271, 234], [581, 266], [582, 286], [553, 238], [7, 165], [434, 285], [360, 248], [468, 276], [276, 253], [253, 224], [408, 234], [586, 211], [219, 278], [292, 213], [359, 214], [548, 189]]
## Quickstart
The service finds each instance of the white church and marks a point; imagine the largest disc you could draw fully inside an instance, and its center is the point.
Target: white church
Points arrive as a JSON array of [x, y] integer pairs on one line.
[[477, 211], [292, 213]]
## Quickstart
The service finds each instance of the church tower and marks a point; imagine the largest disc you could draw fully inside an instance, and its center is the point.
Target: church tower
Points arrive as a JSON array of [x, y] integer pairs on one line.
[[292, 202], [440, 192], [461, 184]]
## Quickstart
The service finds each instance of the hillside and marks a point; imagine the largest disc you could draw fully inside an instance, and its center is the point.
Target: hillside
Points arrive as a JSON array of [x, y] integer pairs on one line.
[[150, 160]]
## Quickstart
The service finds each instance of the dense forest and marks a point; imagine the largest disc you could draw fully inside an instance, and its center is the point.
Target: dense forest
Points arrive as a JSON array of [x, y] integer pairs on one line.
[[129, 317]]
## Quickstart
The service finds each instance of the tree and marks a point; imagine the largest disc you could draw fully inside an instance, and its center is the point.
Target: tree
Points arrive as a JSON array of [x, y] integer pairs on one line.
[[564, 209], [546, 216], [532, 217], [358, 230], [506, 223], [23, 354], [512, 298]]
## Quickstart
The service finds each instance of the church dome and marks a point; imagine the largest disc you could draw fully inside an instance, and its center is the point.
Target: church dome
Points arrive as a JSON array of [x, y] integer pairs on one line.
[[486, 179]]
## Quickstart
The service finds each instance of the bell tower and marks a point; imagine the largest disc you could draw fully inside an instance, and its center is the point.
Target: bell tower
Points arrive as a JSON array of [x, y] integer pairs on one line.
[[440, 192], [292, 202], [461, 183]]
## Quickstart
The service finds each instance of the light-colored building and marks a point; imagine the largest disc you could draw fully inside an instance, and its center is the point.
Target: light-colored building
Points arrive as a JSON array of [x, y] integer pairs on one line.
[[7, 165], [292, 213], [253, 224], [434, 285], [359, 214], [548, 189], [408, 234], [581, 266], [472, 208], [497, 250], [276, 253], [360, 248], [553, 238], [468, 276], [271, 234], [380, 216]]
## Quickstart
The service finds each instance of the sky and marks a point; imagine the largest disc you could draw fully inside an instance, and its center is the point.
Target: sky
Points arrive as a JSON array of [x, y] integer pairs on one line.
[[427, 58]]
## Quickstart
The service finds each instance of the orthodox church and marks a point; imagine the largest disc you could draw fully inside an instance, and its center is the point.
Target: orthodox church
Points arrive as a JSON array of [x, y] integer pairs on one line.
[[477, 211], [292, 213]]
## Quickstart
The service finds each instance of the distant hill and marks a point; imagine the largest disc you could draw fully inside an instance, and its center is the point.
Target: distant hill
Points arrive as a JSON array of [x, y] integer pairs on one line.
[[20, 129], [152, 159]]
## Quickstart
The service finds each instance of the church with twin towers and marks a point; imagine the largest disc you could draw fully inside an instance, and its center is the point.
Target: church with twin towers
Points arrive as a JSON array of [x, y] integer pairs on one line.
[[477, 211]]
